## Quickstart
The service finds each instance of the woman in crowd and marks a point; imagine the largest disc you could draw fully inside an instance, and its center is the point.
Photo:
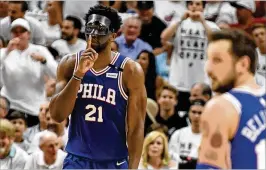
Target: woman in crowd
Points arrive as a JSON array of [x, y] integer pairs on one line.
[[153, 82], [155, 152]]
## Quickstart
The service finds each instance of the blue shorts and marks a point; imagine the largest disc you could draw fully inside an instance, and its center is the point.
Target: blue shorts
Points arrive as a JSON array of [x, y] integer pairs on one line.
[[76, 162]]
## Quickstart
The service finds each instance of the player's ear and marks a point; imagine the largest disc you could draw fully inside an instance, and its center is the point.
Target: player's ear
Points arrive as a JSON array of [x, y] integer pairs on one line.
[[113, 36]]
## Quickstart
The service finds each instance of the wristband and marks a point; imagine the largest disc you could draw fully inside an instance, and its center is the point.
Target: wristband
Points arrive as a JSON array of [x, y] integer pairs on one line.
[[77, 78]]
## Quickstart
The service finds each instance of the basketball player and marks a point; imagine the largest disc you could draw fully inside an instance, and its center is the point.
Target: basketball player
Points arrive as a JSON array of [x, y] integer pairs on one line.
[[105, 94], [237, 117]]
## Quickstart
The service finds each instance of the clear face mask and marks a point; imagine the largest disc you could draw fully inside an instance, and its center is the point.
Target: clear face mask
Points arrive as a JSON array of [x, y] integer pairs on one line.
[[97, 25]]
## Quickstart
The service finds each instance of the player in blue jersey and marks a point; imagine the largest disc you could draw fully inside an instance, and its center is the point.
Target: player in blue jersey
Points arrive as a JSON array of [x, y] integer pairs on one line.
[[233, 122], [105, 95]]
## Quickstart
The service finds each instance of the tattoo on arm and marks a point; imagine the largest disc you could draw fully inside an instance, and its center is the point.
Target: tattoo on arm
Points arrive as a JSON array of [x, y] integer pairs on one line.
[[216, 139], [211, 155]]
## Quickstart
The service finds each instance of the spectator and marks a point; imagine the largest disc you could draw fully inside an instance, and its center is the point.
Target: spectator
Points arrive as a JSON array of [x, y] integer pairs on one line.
[[11, 156], [163, 61], [155, 152], [244, 13], [70, 43], [17, 10], [220, 12], [152, 26], [51, 27], [32, 131], [189, 53], [128, 43], [168, 115], [184, 143], [58, 128], [26, 64], [200, 91], [49, 156], [2, 42], [3, 9], [19, 121], [4, 106], [259, 35], [153, 82], [169, 11]]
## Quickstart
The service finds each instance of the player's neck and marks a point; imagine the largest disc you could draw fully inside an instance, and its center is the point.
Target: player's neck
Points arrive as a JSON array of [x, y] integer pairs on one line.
[[246, 80], [155, 162], [104, 59]]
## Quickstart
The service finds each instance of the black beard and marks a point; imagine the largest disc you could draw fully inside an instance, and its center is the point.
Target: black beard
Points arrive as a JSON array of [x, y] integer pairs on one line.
[[100, 47], [223, 88], [67, 37]]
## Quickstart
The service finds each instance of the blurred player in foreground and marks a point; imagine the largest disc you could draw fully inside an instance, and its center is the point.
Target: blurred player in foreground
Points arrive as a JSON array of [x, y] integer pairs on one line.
[[105, 94], [236, 117]]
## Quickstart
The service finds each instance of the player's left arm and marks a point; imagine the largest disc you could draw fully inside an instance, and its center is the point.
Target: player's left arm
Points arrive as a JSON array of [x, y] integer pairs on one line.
[[216, 126], [137, 98]]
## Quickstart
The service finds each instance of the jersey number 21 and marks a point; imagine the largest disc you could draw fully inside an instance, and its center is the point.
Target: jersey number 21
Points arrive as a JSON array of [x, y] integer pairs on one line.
[[90, 116]]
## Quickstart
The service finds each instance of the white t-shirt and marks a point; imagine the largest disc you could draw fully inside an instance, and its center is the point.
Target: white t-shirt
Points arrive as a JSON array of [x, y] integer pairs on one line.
[[23, 78], [15, 160], [261, 69], [51, 32], [227, 13], [64, 48], [169, 11], [189, 55], [37, 35], [36, 161], [184, 142]]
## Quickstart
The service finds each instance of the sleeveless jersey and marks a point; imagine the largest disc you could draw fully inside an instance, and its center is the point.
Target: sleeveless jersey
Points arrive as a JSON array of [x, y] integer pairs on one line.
[[97, 129], [248, 144]]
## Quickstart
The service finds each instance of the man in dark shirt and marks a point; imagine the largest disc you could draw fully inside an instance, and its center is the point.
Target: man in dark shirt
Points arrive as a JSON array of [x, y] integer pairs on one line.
[[152, 26], [167, 114]]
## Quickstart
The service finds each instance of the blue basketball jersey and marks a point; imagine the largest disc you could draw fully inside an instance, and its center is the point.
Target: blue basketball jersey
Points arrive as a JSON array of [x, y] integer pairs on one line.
[[248, 144], [97, 129]]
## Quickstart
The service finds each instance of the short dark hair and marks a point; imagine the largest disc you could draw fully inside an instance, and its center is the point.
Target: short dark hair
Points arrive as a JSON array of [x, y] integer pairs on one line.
[[170, 88], [203, 3], [24, 5], [76, 21], [17, 115], [108, 12], [7, 102], [258, 25], [242, 45], [206, 89]]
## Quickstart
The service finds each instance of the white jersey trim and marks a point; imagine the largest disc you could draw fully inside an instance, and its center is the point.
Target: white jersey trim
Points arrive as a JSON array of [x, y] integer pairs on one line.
[[255, 92], [120, 81], [237, 105], [97, 73]]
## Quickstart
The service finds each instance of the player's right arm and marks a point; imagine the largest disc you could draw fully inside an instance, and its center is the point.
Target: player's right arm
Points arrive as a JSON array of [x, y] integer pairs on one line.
[[67, 86], [218, 123], [62, 103]]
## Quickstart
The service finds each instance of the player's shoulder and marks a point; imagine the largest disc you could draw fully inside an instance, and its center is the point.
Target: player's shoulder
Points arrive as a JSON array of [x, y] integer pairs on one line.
[[132, 67], [222, 105]]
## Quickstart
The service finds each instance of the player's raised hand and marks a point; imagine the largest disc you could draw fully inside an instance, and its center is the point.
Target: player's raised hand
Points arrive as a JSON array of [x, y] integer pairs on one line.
[[87, 59]]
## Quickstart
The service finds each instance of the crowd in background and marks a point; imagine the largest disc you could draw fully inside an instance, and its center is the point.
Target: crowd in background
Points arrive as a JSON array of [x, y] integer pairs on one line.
[[167, 38]]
